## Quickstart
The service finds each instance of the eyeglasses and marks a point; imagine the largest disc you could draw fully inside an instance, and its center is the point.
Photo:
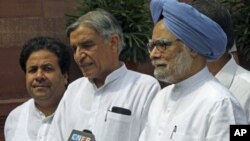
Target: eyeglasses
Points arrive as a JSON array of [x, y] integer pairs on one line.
[[160, 44]]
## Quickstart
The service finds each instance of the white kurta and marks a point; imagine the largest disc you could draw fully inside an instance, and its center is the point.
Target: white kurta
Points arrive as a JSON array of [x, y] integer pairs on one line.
[[237, 80], [196, 109], [84, 106], [26, 123]]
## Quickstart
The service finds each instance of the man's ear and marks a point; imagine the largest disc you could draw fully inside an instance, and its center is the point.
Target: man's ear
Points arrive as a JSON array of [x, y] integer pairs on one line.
[[114, 41], [193, 53]]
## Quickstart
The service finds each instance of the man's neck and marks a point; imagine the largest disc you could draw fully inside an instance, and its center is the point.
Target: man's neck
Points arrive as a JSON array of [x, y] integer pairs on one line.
[[46, 110], [215, 66], [101, 79]]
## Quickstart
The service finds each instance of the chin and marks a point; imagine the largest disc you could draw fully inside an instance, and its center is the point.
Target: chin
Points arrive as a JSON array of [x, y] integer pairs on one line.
[[88, 74], [163, 75], [164, 79]]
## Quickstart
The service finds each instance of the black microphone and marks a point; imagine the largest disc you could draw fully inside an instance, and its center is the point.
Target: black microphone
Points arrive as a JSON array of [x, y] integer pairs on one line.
[[88, 135], [84, 135]]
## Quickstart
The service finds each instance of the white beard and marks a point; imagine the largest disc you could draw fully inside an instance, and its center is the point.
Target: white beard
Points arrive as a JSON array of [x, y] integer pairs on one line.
[[167, 73]]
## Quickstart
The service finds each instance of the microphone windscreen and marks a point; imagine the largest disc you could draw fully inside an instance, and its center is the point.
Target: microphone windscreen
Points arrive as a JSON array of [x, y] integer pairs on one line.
[[87, 136]]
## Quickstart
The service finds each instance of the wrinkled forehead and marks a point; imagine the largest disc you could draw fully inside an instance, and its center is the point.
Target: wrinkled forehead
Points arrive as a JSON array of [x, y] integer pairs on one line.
[[82, 33], [160, 31]]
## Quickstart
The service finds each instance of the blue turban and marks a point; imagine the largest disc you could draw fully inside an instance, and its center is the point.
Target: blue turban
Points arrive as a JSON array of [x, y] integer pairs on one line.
[[193, 28]]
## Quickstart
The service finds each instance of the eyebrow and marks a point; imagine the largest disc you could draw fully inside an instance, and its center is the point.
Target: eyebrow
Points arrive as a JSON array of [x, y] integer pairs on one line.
[[86, 42], [45, 64], [82, 42]]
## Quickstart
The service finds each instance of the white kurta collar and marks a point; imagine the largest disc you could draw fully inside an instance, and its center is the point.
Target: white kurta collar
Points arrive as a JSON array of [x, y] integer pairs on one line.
[[196, 79], [37, 113], [113, 75], [116, 74], [226, 74]]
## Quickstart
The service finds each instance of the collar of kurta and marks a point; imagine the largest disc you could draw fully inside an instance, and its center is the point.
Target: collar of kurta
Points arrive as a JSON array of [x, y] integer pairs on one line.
[[227, 73], [191, 83], [114, 75], [37, 113]]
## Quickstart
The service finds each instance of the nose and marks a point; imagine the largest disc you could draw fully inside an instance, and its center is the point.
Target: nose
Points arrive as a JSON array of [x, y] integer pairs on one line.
[[40, 75], [155, 53], [79, 54]]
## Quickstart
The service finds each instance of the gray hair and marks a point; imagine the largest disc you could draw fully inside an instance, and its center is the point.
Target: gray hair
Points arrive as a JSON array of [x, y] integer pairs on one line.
[[103, 22]]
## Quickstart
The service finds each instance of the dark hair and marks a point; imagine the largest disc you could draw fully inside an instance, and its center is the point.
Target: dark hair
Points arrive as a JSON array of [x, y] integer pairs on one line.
[[215, 11], [50, 44]]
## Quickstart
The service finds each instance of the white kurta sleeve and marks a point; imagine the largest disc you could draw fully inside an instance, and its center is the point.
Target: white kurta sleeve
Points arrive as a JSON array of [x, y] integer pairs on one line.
[[225, 113], [11, 124], [151, 95]]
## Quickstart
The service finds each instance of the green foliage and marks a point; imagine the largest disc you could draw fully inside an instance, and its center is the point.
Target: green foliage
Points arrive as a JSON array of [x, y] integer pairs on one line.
[[240, 10], [135, 20]]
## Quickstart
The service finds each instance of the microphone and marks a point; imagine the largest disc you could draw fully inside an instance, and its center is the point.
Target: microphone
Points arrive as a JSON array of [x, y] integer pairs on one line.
[[88, 135], [85, 135]]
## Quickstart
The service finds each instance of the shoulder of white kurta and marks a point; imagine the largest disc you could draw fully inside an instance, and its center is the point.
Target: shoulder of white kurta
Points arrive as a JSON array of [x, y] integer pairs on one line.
[[14, 116], [243, 74], [144, 77], [77, 82], [17, 111], [216, 91]]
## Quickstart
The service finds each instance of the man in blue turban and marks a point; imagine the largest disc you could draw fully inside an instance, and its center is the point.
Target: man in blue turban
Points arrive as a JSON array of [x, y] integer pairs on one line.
[[195, 106]]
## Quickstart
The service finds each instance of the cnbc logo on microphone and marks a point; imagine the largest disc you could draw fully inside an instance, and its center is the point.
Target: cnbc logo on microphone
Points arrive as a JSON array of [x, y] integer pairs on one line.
[[77, 137], [239, 132], [84, 135]]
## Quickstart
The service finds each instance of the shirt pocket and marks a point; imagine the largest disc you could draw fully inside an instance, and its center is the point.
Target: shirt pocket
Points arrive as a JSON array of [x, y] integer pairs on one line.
[[117, 127]]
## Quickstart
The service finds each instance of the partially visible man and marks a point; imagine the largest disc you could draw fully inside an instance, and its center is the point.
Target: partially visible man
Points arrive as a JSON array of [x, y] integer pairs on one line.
[[225, 69], [196, 106], [46, 63], [110, 101], [233, 50]]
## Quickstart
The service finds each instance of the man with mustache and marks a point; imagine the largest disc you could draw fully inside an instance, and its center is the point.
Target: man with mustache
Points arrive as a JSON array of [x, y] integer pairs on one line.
[[196, 107], [45, 62], [110, 100]]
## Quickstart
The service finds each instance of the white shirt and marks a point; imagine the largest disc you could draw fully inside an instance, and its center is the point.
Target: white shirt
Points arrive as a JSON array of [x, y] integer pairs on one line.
[[196, 109], [84, 106], [26, 123], [237, 80], [233, 49]]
